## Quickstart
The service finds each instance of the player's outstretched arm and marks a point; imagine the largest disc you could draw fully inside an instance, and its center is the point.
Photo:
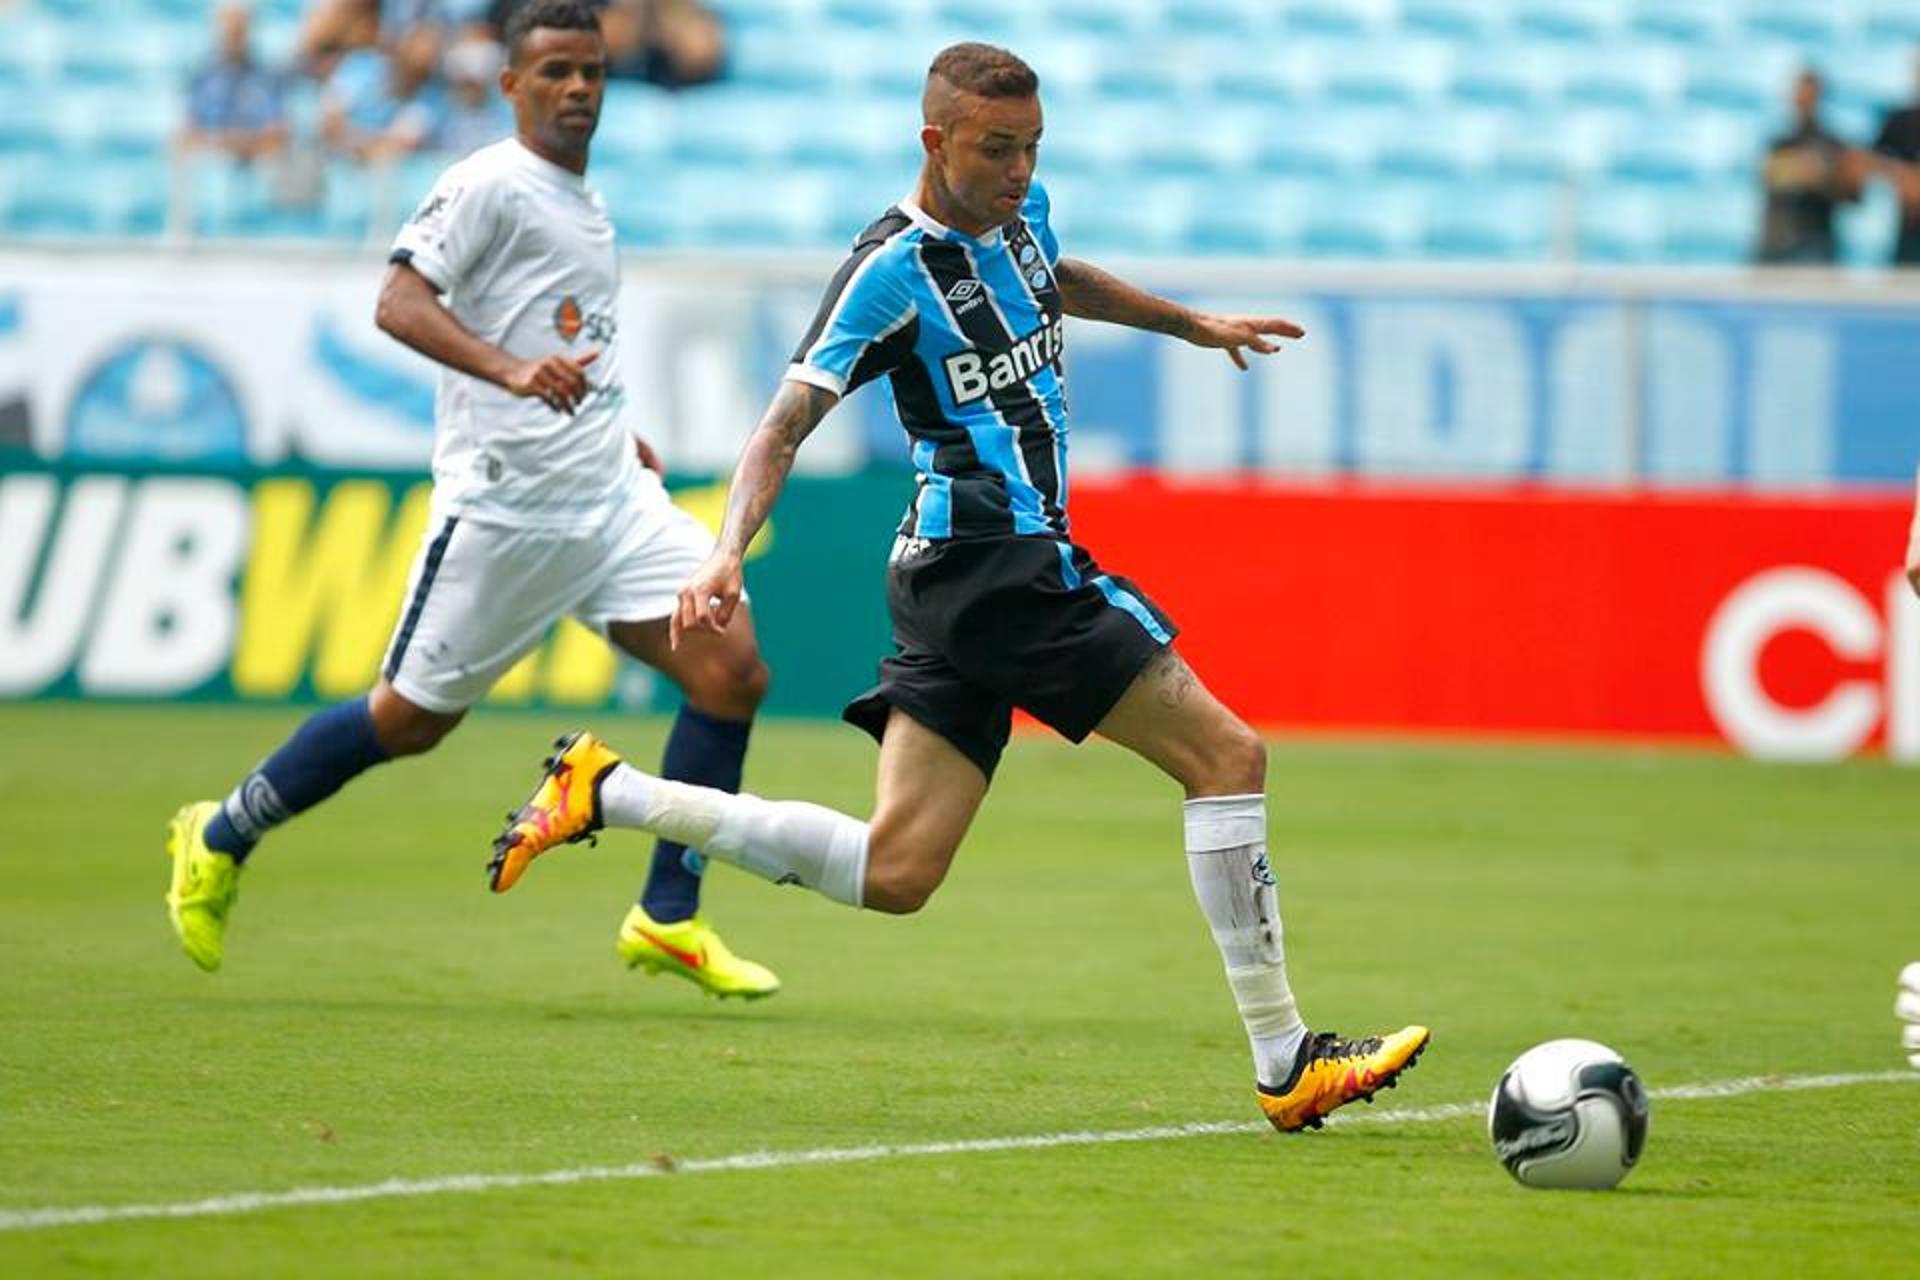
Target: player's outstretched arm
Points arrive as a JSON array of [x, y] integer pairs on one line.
[[409, 309], [708, 600], [1092, 294]]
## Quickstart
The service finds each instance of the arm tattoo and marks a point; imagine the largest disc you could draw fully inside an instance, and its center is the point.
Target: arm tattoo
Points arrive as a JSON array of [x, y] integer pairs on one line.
[[1092, 294], [796, 410]]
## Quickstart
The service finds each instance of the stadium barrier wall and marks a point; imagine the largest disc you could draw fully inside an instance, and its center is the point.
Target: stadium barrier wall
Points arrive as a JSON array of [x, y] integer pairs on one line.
[[1676, 379], [1779, 626]]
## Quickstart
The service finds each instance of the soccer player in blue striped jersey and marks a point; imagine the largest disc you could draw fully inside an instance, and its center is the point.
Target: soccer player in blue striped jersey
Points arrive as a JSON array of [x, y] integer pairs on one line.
[[956, 296]]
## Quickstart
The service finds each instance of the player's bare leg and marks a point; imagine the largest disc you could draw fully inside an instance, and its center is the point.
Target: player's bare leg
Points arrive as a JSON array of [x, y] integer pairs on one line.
[[1169, 717], [926, 794]]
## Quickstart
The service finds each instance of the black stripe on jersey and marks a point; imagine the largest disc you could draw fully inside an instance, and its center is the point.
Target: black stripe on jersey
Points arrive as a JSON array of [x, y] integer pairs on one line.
[[884, 356], [979, 507], [948, 265], [864, 247], [1042, 460]]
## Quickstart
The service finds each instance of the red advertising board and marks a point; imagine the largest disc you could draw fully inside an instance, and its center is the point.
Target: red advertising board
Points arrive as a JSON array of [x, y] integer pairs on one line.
[[1778, 624]]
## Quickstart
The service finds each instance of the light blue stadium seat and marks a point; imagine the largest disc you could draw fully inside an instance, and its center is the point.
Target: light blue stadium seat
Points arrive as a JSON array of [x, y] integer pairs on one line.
[[1462, 21], [1138, 78], [1516, 76], [1750, 78], [1393, 73], [734, 130], [1439, 144], [1810, 24], [29, 126], [1119, 216], [1681, 150], [636, 125], [1890, 21], [639, 201], [1348, 18], [1109, 19], [1236, 18], [1362, 220], [1498, 221], [1868, 229], [1635, 75], [787, 16], [995, 21], [1325, 145], [1618, 225], [846, 16], [725, 211], [1576, 144], [850, 133], [53, 199], [1247, 219], [1207, 144], [1711, 224], [1570, 21], [1679, 22], [773, 61], [1873, 77]]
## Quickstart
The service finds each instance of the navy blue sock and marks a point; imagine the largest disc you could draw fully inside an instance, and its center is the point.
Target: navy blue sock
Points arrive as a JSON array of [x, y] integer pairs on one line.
[[322, 755], [708, 752]]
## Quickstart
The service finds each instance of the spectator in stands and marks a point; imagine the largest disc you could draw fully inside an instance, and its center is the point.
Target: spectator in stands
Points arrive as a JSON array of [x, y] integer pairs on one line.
[[1809, 171], [382, 104], [672, 43], [335, 27], [475, 112], [234, 105], [1899, 148]]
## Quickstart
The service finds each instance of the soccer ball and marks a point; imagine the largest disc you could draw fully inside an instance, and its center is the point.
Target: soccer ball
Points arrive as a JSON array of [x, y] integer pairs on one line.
[[1568, 1113]]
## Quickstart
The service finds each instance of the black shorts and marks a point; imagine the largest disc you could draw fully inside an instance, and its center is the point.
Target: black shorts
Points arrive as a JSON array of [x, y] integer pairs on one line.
[[983, 626]]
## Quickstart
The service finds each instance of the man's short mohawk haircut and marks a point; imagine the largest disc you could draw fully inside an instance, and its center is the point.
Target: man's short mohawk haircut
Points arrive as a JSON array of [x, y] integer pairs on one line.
[[556, 15], [984, 69]]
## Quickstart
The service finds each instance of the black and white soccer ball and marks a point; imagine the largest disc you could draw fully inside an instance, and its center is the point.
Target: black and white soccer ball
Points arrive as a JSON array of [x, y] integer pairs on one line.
[[1568, 1113]]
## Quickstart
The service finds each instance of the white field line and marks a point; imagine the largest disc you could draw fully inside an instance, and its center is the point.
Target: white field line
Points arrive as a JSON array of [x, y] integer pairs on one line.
[[396, 1188]]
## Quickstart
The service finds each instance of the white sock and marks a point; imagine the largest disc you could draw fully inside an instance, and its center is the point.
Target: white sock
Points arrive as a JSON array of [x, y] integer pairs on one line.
[[1227, 858], [785, 841]]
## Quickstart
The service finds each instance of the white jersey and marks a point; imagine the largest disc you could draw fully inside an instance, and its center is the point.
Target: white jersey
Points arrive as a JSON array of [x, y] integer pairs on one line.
[[523, 251]]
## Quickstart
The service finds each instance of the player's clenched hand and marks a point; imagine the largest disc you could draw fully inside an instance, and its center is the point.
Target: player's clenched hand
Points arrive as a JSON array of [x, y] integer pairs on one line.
[[1237, 335], [708, 600], [560, 381]]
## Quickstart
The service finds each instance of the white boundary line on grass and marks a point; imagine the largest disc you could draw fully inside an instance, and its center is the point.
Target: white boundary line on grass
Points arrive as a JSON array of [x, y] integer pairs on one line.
[[396, 1188]]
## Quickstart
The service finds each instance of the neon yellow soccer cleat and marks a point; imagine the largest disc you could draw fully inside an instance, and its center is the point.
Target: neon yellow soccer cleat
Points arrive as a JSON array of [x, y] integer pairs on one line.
[[692, 950], [563, 809], [1334, 1072], [205, 884]]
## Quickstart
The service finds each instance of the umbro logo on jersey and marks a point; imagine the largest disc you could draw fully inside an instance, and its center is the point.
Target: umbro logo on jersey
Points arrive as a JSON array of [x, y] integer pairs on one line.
[[962, 290]]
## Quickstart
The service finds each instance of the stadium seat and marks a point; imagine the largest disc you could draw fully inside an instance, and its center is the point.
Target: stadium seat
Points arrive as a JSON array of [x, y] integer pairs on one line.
[[1236, 18], [1868, 229], [1382, 74], [1570, 21], [1754, 79], [1683, 23], [1247, 219], [1715, 225], [1885, 22], [1439, 145], [1810, 24], [1462, 21], [1362, 220], [1624, 75], [1512, 221], [1336, 17], [1618, 225]]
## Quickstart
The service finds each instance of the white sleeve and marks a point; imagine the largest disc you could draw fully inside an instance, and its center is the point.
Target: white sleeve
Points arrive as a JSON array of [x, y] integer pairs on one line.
[[451, 229]]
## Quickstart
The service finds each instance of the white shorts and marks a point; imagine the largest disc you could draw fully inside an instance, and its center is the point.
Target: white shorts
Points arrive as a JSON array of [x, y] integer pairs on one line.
[[482, 596]]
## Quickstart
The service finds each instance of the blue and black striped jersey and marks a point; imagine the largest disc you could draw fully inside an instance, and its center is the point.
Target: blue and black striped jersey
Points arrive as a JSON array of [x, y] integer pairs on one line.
[[969, 332]]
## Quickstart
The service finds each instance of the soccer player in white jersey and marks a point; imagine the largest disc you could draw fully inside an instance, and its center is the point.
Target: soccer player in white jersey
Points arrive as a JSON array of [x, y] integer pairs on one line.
[[541, 508], [957, 295]]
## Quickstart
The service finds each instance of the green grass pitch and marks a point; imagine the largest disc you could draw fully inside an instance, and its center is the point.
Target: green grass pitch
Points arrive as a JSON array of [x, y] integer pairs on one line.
[[381, 1016]]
